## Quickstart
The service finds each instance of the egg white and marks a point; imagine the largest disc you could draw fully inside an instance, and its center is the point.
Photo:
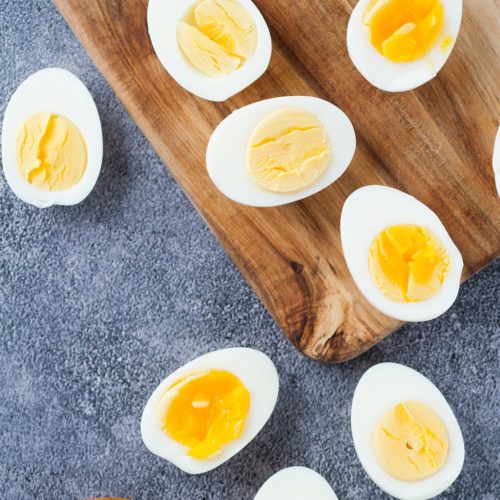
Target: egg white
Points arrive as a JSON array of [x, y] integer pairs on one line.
[[496, 160], [227, 150], [255, 370], [57, 91], [370, 210], [381, 388], [399, 77], [296, 483], [163, 18]]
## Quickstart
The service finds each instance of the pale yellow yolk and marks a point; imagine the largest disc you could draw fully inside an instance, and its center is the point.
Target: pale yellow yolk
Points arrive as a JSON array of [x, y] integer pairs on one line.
[[51, 152], [447, 41], [404, 30], [221, 39], [229, 24], [205, 54], [408, 264], [288, 151], [410, 441], [208, 411]]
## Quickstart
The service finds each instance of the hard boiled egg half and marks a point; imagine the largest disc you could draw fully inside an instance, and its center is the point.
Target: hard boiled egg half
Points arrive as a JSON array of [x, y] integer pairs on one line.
[[399, 254], [212, 48], [496, 160], [405, 433], [296, 483], [210, 409], [51, 140], [280, 150], [398, 45]]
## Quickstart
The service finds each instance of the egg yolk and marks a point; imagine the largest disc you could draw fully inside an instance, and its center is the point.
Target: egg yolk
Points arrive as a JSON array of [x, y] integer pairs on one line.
[[220, 38], [207, 411], [447, 41], [51, 152], [288, 151], [404, 30], [408, 264], [410, 441]]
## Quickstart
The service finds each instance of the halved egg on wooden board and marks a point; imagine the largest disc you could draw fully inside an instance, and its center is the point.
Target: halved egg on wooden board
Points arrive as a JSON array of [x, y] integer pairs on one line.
[[296, 483], [496, 160], [398, 45], [280, 150], [399, 254], [210, 409], [212, 48], [52, 143], [405, 433]]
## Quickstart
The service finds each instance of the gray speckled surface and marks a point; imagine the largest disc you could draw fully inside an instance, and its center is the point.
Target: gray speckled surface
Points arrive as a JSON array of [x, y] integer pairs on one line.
[[99, 302]]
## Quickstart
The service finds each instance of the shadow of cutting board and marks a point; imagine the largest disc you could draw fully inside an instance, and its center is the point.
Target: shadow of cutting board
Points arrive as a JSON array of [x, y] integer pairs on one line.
[[435, 143]]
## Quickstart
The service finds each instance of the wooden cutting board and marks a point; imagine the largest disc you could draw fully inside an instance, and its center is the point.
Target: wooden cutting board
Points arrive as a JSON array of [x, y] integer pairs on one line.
[[435, 143]]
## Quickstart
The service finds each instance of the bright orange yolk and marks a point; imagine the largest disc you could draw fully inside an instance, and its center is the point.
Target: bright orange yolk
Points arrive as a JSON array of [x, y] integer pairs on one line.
[[404, 30], [207, 411], [408, 264]]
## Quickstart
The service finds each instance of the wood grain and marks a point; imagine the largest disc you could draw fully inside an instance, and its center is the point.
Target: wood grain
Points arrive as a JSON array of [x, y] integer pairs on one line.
[[435, 143]]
